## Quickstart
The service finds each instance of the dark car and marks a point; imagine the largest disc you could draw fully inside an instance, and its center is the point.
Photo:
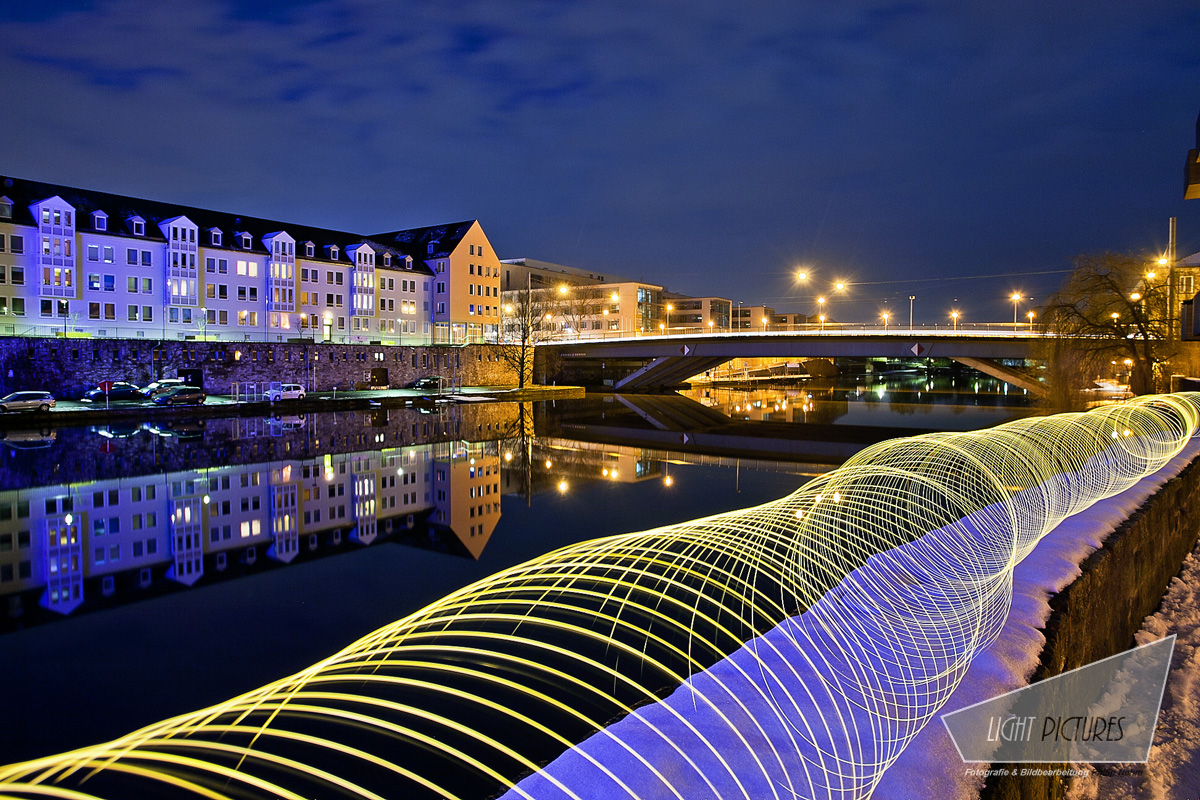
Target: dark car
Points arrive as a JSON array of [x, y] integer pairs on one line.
[[160, 386], [121, 390], [180, 396], [430, 383]]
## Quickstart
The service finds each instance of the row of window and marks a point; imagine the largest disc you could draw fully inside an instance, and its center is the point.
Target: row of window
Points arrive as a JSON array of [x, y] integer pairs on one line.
[[12, 244]]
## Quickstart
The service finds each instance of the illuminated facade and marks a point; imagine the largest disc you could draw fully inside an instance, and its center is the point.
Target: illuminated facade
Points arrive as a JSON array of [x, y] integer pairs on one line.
[[74, 262]]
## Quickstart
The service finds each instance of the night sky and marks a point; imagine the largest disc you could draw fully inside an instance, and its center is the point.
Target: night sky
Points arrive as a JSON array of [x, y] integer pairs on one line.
[[713, 147]]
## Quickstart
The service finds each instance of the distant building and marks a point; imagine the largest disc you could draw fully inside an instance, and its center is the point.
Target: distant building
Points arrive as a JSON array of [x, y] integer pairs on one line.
[[76, 262], [751, 317], [1191, 169], [530, 273], [709, 314]]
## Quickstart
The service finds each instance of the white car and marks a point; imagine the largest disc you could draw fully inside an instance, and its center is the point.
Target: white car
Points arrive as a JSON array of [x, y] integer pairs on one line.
[[288, 391]]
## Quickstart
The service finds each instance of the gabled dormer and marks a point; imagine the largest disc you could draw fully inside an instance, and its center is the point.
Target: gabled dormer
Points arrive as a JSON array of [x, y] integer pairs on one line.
[[310, 250], [244, 240], [99, 220], [280, 245], [332, 252], [408, 262], [361, 255], [387, 259], [215, 237], [136, 225], [6, 208], [179, 231]]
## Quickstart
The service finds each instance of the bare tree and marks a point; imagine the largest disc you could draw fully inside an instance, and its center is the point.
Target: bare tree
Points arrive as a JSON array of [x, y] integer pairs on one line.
[[525, 322], [1114, 306], [580, 305]]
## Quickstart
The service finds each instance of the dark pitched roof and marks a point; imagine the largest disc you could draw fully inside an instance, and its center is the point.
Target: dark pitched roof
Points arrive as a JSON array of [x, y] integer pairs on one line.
[[416, 241], [25, 193]]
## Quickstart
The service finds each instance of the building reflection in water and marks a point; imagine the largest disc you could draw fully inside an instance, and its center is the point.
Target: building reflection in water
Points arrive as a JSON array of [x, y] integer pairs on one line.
[[63, 547]]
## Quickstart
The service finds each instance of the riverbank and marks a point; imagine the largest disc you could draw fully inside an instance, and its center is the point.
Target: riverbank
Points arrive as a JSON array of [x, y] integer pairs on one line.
[[68, 413]]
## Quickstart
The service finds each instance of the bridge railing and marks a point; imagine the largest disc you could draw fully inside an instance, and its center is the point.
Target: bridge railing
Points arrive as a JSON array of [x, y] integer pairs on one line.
[[998, 329]]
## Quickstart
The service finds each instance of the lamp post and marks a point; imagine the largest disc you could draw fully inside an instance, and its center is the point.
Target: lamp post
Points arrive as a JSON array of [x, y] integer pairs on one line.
[[954, 316], [1016, 298], [739, 314], [821, 317], [1029, 315], [821, 311], [911, 297], [885, 316], [764, 324]]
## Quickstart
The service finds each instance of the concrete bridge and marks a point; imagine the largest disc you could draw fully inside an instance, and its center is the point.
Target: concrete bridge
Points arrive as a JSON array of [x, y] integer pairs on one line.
[[648, 363]]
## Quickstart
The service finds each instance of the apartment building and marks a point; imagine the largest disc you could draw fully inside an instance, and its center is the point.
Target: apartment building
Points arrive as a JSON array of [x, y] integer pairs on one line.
[[76, 262]]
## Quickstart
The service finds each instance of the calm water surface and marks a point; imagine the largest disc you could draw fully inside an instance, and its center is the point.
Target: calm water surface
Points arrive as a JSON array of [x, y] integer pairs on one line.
[[146, 571]]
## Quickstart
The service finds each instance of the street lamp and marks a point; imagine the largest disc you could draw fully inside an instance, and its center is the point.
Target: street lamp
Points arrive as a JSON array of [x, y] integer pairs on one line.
[[821, 317], [764, 323], [885, 316], [821, 311], [1016, 298], [954, 316], [801, 275], [911, 297], [1029, 316]]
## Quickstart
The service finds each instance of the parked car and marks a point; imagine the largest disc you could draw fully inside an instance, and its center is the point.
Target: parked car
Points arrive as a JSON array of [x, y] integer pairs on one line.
[[121, 390], [161, 385], [27, 401], [428, 383], [288, 391], [181, 395]]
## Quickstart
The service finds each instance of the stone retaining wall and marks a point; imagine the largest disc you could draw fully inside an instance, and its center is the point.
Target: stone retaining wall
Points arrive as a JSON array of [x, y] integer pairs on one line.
[[68, 367], [1098, 614]]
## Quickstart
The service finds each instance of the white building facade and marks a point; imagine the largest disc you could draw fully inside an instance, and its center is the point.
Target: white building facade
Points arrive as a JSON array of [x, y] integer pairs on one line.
[[78, 263]]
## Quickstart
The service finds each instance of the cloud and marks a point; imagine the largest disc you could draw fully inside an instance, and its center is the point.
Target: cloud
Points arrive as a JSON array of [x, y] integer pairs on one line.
[[643, 137]]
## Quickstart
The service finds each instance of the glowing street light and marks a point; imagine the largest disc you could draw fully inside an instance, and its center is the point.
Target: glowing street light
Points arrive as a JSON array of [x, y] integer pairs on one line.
[[954, 316], [840, 285], [801, 275], [885, 316], [764, 324], [1016, 298], [562, 288], [822, 319], [1029, 315]]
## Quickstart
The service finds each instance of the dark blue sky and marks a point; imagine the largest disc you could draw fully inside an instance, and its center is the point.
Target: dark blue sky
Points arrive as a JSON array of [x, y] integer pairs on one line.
[[710, 146]]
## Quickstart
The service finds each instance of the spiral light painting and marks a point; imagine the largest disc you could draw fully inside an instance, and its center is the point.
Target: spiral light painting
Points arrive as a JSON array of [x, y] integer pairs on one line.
[[790, 650]]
